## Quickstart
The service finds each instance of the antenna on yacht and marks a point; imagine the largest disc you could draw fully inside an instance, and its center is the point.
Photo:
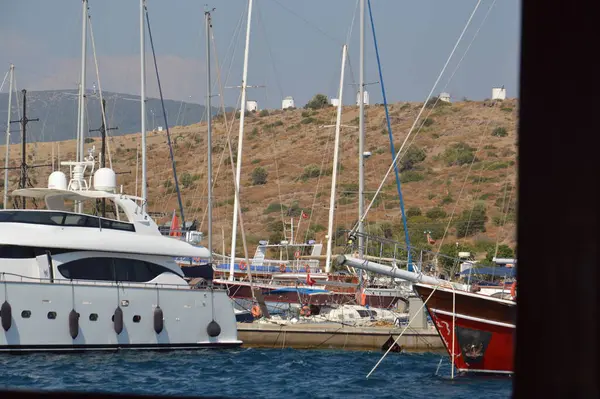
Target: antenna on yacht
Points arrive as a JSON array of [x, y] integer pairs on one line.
[[103, 129], [23, 121]]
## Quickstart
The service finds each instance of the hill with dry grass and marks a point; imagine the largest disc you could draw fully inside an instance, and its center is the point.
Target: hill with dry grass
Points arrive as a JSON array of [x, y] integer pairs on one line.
[[458, 177]]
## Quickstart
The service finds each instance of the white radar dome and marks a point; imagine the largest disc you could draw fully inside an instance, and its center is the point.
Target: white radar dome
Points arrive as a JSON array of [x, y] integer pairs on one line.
[[57, 180], [105, 179]]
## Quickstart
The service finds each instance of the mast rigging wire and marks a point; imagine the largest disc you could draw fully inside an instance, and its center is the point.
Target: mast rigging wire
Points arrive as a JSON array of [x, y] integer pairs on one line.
[[162, 103]]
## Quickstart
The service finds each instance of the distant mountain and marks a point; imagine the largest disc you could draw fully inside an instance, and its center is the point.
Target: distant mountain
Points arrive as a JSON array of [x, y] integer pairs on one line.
[[57, 111]]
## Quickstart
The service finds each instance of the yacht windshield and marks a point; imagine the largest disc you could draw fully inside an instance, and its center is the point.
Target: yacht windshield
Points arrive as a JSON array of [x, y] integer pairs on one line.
[[63, 219]]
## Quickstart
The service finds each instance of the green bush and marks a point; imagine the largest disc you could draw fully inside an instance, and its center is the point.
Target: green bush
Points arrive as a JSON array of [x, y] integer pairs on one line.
[[274, 207], [471, 221], [308, 120], [447, 200], [411, 158], [349, 190], [264, 112], [504, 251], [506, 109], [186, 180], [411, 176], [435, 213], [459, 154], [317, 102], [305, 114], [413, 211], [310, 171], [428, 122], [499, 132], [255, 161], [259, 176]]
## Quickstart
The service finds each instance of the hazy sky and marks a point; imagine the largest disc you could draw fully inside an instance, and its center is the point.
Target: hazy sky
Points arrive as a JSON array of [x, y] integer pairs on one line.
[[295, 46]]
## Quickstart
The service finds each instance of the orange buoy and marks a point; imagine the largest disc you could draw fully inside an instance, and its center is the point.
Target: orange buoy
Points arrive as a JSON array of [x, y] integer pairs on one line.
[[282, 268], [513, 290], [243, 265], [256, 312]]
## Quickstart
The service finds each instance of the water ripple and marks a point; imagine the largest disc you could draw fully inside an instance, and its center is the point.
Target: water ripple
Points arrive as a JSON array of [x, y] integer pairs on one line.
[[247, 373]]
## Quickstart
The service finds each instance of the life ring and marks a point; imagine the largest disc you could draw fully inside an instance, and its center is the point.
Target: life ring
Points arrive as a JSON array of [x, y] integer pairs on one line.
[[243, 265], [256, 312], [513, 290], [307, 268], [282, 268], [305, 311]]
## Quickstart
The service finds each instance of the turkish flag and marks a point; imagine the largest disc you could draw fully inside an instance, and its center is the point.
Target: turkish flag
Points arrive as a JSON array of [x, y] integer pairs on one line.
[[174, 230]]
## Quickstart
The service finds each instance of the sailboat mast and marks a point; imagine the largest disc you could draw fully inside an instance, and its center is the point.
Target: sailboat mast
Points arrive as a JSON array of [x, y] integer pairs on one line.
[[336, 148], [81, 112], [10, 89], [361, 133], [209, 133], [143, 101], [238, 171]]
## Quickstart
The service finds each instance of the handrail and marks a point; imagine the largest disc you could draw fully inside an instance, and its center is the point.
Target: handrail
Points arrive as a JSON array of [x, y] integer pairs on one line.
[[95, 283]]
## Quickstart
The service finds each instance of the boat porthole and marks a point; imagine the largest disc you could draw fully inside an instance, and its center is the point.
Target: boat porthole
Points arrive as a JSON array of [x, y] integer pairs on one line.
[[26, 314], [52, 315], [137, 318], [93, 316]]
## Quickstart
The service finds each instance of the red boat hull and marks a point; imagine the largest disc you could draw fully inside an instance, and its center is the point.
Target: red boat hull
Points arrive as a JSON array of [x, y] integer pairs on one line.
[[484, 328], [237, 290]]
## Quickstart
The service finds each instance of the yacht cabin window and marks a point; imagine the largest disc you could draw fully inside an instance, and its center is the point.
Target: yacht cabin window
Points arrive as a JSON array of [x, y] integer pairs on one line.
[[111, 269]]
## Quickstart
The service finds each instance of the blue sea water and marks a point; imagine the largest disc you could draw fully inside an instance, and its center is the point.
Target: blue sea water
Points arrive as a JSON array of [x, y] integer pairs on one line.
[[248, 373]]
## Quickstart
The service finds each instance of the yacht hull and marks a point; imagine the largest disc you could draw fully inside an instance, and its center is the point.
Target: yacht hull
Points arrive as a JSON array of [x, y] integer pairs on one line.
[[484, 328], [41, 317]]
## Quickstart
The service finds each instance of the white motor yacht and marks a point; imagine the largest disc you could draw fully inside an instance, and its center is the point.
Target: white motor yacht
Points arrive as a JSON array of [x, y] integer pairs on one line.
[[75, 281]]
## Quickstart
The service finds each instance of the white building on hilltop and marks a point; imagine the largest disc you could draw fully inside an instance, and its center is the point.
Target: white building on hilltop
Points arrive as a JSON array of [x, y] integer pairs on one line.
[[287, 102], [334, 102], [499, 93], [445, 97], [251, 106]]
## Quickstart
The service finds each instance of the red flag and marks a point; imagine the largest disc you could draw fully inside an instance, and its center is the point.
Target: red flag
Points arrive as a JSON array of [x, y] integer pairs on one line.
[[309, 280], [304, 215], [174, 231]]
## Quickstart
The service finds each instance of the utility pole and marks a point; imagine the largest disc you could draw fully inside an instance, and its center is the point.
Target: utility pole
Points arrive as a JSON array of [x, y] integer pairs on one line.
[[103, 129], [23, 121]]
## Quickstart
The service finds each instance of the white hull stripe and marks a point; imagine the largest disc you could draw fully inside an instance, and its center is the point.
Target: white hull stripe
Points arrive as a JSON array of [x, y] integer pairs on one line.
[[485, 371], [463, 316]]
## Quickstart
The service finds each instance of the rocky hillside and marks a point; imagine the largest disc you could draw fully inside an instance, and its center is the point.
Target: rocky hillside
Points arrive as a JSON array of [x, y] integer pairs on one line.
[[459, 173]]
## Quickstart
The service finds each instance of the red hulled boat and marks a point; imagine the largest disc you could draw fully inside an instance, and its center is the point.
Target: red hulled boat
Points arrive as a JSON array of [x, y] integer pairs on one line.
[[482, 340]]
